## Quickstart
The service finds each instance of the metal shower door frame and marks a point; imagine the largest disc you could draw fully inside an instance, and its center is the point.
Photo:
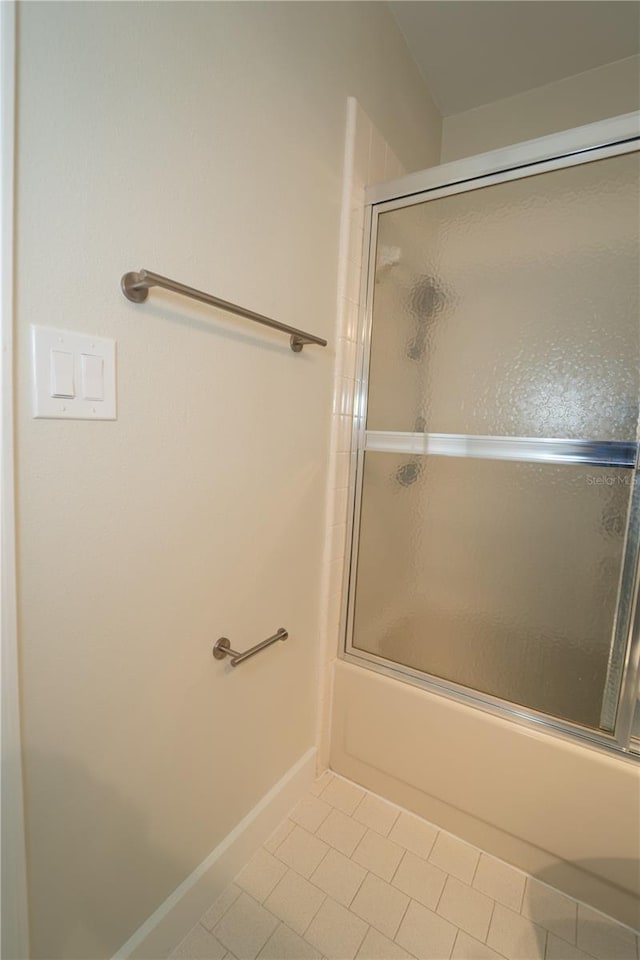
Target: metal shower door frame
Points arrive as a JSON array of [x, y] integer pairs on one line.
[[586, 144]]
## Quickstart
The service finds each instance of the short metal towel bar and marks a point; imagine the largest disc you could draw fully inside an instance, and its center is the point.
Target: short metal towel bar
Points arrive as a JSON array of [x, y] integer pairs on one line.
[[222, 647], [135, 287]]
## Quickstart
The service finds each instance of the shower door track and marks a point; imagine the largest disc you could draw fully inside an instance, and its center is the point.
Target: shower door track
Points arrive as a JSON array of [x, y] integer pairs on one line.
[[596, 141], [595, 453]]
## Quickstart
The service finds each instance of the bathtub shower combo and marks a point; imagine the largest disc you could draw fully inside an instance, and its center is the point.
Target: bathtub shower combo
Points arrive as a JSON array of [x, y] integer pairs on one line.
[[496, 496]]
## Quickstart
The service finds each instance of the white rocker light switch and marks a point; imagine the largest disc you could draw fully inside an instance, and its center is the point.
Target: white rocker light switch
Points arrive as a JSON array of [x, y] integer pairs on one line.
[[62, 384], [74, 375]]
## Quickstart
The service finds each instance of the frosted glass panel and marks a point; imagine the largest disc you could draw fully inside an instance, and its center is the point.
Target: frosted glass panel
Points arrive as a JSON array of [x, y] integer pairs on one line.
[[498, 576], [512, 309]]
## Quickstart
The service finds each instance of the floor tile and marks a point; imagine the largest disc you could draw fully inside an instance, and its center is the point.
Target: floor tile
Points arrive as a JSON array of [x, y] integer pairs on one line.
[[278, 835], [514, 936], [414, 834], [295, 901], [220, 907], [339, 877], [336, 932], [321, 783], [602, 937], [301, 851], [342, 832], [199, 944], [260, 875], [378, 854], [426, 935], [245, 928], [411, 892], [376, 814], [550, 909], [284, 944], [558, 949], [343, 795], [310, 813], [500, 881], [380, 905], [466, 948], [455, 856], [420, 880], [469, 909], [375, 946]]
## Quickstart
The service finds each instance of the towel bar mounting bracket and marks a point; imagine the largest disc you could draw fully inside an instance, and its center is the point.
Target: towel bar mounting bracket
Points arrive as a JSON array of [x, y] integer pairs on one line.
[[222, 647]]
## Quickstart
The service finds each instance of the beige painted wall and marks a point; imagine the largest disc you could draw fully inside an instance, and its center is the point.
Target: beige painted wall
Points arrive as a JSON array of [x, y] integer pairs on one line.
[[606, 91], [204, 141]]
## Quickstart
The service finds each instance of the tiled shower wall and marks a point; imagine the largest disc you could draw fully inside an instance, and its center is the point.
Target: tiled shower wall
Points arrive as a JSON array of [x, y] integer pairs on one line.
[[368, 159]]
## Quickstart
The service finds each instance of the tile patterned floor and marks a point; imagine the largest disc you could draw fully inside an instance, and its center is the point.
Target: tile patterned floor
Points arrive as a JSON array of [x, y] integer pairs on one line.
[[350, 875]]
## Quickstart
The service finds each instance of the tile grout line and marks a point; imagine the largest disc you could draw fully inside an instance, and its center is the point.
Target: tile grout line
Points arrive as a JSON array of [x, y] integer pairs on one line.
[[275, 915], [360, 802], [224, 912], [455, 940], [493, 910], [444, 887], [406, 910], [360, 885], [395, 872], [575, 946], [476, 870], [431, 848], [506, 863], [522, 896], [542, 931], [320, 906], [209, 932], [359, 947], [320, 862]]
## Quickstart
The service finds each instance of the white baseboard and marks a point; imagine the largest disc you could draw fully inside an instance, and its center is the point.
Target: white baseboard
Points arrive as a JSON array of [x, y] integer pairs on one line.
[[173, 919]]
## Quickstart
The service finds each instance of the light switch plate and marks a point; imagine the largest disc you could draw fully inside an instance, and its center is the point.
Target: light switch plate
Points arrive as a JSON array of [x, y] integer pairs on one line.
[[81, 367]]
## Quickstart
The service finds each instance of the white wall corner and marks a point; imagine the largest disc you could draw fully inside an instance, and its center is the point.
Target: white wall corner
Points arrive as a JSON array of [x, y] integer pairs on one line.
[[14, 912], [368, 158]]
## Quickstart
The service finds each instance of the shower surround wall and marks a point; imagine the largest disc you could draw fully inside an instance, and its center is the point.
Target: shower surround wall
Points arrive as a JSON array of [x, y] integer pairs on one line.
[[564, 812], [368, 159], [204, 141]]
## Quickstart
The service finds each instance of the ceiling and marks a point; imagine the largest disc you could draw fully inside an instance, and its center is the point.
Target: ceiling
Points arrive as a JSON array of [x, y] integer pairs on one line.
[[471, 53]]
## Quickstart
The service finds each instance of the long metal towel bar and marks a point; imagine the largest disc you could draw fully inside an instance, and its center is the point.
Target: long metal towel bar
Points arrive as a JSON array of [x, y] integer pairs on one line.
[[222, 647], [135, 287]]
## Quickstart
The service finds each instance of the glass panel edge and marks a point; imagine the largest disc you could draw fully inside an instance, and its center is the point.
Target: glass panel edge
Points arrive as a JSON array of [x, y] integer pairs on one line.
[[489, 705]]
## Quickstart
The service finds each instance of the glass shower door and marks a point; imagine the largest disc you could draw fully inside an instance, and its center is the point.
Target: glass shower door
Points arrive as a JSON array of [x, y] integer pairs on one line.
[[496, 531]]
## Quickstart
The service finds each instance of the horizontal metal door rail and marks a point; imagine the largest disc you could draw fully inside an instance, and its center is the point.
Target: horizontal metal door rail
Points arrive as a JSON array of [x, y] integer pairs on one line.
[[135, 287], [222, 647], [595, 453]]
